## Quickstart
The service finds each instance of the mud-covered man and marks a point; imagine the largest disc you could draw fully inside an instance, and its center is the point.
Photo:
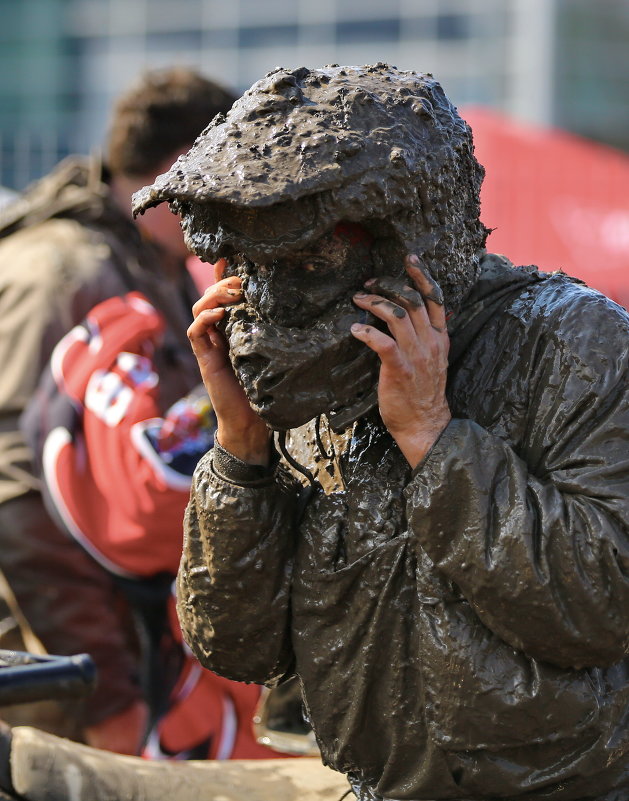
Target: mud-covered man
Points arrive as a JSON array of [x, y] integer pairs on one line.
[[450, 580]]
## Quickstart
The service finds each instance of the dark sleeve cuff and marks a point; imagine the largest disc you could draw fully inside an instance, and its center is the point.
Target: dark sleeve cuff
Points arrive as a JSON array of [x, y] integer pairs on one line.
[[231, 468], [419, 467]]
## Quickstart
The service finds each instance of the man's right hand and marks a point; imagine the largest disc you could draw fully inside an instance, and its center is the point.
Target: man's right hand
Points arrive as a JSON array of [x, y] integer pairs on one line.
[[240, 430]]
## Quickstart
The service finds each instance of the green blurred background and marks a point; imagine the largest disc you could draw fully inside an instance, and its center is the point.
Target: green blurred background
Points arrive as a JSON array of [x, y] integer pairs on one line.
[[561, 63]]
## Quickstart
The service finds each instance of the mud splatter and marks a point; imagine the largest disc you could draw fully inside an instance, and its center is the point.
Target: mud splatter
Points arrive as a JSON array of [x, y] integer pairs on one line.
[[304, 149], [266, 186]]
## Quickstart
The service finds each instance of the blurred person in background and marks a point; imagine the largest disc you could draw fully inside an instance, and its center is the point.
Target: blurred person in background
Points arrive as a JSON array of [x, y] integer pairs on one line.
[[66, 244], [116, 473]]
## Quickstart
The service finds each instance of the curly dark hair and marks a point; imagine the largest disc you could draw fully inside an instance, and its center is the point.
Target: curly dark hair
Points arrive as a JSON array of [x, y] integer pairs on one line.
[[164, 111]]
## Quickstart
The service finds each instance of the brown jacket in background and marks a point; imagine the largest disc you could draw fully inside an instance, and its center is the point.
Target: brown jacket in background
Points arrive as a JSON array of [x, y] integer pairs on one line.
[[65, 246]]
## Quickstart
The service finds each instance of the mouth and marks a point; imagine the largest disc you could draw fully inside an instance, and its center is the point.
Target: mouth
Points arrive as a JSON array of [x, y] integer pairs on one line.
[[291, 375], [264, 387]]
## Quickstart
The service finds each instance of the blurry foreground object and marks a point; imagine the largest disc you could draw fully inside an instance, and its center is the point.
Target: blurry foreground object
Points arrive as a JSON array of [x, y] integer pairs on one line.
[[42, 767], [68, 243], [555, 200], [29, 677]]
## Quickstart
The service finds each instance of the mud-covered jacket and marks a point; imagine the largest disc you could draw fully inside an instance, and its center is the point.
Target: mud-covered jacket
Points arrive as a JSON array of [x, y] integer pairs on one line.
[[460, 630], [66, 245]]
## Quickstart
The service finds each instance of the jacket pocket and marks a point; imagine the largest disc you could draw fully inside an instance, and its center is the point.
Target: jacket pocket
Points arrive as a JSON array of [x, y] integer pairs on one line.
[[482, 694]]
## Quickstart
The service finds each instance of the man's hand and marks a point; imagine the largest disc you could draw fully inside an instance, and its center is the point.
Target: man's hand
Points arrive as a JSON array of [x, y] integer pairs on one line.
[[240, 430], [414, 357]]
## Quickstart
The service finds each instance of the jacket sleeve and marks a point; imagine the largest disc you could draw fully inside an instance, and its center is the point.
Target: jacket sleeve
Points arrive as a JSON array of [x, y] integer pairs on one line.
[[537, 540], [235, 574]]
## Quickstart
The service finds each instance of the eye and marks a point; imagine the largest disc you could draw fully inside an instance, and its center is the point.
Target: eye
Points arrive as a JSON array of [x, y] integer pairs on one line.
[[314, 265]]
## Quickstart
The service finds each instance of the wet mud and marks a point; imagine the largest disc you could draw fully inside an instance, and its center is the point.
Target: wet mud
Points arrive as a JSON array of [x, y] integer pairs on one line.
[[267, 186], [437, 656], [418, 606]]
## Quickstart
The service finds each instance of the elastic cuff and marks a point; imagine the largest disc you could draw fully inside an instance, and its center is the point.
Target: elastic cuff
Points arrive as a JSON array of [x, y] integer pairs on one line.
[[419, 467], [231, 468]]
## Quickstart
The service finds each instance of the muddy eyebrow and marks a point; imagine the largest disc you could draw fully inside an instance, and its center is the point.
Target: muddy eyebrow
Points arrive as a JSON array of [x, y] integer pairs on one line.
[[315, 261], [313, 257]]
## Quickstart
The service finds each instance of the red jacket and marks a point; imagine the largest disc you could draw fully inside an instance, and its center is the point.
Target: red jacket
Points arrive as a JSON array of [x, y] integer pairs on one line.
[[117, 476]]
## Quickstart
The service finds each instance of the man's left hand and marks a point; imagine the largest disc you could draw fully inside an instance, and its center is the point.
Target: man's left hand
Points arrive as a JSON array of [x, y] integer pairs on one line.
[[413, 356]]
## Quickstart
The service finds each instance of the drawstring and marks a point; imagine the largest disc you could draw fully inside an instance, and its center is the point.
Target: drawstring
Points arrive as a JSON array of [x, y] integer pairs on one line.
[[312, 482], [320, 445], [306, 492], [281, 441], [332, 454]]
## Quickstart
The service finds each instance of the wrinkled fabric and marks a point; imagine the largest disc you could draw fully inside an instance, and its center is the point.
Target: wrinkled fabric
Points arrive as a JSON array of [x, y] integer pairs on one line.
[[460, 631]]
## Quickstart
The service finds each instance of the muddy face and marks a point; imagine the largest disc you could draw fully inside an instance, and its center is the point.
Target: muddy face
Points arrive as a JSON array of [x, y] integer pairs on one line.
[[300, 151], [303, 149], [290, 341]]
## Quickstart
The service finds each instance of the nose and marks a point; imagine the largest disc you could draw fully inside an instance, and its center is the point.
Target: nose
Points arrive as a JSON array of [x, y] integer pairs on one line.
[[281, 305], [249, 365], [274, 298]]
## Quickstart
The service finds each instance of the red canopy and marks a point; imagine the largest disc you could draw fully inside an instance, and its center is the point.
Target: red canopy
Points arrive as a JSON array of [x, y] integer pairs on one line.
[[555, 200]]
